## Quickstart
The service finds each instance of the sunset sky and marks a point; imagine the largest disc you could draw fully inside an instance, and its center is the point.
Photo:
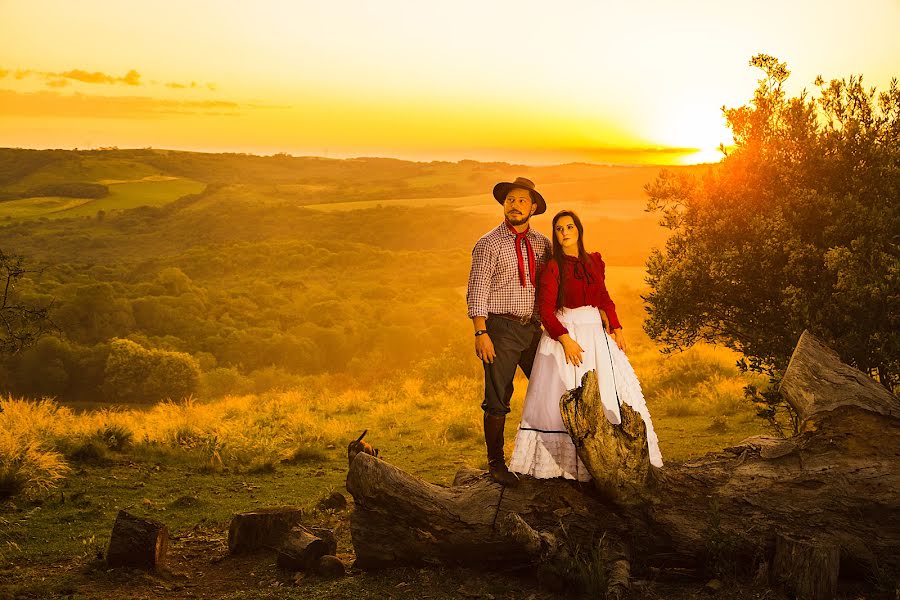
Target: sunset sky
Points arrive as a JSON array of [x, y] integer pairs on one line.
[[525, 81]]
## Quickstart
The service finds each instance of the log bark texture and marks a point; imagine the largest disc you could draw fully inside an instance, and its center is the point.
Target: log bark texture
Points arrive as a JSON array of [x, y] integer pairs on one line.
[[258, 529], [301, 549], [137, 542], [816, 381], [400, 519], [808, 567], [839, 478]]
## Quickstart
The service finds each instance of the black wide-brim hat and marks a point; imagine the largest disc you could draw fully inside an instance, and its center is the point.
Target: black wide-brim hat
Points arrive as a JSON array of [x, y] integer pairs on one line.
[[502, 189]]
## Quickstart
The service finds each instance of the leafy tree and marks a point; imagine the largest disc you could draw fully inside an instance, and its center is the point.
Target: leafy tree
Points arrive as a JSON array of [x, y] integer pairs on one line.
[[798, 227], [136, 374]]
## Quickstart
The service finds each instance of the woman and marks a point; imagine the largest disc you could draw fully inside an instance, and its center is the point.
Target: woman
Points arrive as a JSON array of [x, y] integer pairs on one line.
[[574, 305]]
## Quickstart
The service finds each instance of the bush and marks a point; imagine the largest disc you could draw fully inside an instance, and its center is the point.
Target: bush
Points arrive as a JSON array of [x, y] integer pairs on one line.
[[115, 436], [136, 374], [26, 467]]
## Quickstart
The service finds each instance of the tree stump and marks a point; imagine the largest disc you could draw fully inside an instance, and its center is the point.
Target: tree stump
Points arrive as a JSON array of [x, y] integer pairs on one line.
[[617, 456], [330, 567], [301, 549], [137, 542], [266, 528], [808, 567]]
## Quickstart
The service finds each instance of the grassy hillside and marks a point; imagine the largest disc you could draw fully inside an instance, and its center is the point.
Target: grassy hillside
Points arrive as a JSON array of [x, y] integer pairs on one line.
[[265, 269]]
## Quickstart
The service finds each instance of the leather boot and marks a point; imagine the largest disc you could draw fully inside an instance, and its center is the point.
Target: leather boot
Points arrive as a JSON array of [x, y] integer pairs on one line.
[[493, 439]]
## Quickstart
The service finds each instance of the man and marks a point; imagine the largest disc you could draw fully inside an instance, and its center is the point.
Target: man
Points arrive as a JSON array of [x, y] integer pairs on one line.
[[501, 301]]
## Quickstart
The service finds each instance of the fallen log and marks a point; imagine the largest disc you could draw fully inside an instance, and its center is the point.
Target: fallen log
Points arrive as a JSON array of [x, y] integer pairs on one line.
[[725, 511], [400, 519], [137, 542]]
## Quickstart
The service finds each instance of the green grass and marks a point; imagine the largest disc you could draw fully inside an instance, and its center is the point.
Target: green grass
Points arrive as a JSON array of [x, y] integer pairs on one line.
[[45, 206], [290, 449], [121, 196], [87, 169]]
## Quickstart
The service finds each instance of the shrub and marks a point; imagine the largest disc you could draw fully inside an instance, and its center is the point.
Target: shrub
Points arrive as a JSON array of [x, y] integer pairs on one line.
[[115, 436], [136, 374], [26, 467]]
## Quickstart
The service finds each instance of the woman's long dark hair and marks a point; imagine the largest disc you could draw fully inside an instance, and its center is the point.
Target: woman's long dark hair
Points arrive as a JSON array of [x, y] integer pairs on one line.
[[560, 257]]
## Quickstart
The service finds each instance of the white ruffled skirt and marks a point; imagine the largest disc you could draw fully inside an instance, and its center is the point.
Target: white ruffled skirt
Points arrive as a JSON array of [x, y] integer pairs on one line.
[[543, 447]]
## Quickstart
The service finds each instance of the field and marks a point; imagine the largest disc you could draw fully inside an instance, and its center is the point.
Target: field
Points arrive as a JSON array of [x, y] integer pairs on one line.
[[122, 195], [316, 299], [192, 464]]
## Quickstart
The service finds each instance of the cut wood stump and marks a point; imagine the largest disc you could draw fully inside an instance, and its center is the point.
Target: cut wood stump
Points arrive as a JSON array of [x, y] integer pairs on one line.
[[809, 568], [137, 542], [330, 567], [258, 529], [301, 549]]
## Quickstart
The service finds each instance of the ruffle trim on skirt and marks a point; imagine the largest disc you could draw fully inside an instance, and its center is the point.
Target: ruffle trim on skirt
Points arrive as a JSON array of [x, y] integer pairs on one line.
[[547, 455]]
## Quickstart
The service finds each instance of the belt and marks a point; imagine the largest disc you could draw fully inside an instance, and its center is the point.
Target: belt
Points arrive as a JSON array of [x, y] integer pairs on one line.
[[530, 319]]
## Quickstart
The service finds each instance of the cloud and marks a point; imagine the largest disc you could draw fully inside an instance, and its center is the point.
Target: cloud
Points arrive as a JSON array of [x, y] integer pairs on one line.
[[55, 79], [132, 77], [55, 104]]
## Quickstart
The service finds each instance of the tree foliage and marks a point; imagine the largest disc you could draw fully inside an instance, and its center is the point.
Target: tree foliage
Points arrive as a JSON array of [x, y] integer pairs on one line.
[[136, 374], [798, 227]]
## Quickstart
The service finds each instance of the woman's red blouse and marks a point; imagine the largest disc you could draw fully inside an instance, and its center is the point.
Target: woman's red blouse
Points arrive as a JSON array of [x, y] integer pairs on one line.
[[585, 286]]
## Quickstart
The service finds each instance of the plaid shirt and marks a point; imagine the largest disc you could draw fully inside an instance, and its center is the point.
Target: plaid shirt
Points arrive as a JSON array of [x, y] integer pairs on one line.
[[494, 285]]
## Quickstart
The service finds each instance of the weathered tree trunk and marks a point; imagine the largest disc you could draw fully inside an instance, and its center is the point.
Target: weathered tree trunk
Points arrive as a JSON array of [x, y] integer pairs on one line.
[[816, 381], [838, 480], [137, 542], [400, 519], [265, 528]]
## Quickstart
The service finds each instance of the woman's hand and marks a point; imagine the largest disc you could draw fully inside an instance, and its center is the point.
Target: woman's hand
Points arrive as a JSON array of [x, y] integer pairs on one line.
[[484, 348], [572, 350], [620, 338]]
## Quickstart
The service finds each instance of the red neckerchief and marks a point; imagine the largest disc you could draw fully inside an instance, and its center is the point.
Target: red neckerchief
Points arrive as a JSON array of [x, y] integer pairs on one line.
[[531, 260]]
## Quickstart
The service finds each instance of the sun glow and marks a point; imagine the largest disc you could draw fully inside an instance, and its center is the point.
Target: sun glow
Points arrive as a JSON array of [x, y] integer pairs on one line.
[[406, 78]]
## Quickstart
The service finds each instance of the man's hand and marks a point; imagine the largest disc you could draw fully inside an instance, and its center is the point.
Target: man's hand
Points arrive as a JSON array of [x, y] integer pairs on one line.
[[620, 339], [572, 350], [484, 348]]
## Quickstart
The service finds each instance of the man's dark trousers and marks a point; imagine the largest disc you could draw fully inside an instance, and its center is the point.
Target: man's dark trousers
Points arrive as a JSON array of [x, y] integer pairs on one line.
[[515, 345]]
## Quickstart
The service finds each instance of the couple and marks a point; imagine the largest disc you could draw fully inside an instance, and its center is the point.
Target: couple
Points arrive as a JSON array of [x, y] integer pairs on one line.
[[518, 281]]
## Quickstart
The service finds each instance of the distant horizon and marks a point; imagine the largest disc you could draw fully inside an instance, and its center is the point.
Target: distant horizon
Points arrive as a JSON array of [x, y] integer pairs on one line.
[[639, 157]]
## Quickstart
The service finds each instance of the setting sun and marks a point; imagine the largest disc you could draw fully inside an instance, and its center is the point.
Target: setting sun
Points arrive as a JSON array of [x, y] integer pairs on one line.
[[592, 81]]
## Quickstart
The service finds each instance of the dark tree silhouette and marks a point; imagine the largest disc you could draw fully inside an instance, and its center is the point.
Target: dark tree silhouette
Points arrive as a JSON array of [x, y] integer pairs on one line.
[[21, 324]]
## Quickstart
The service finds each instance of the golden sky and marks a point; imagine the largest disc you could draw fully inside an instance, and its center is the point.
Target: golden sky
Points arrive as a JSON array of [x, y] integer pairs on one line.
[[522, 81]]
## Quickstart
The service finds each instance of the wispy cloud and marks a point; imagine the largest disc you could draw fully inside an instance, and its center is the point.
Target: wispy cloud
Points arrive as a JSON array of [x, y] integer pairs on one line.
[[55, 104], [59, 79]]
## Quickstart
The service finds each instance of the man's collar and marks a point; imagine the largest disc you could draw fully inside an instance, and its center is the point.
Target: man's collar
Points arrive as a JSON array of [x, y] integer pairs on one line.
[[508, 228]]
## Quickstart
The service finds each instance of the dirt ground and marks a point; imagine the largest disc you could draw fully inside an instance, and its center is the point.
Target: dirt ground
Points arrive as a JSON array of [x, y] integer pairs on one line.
[[199, 566]]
